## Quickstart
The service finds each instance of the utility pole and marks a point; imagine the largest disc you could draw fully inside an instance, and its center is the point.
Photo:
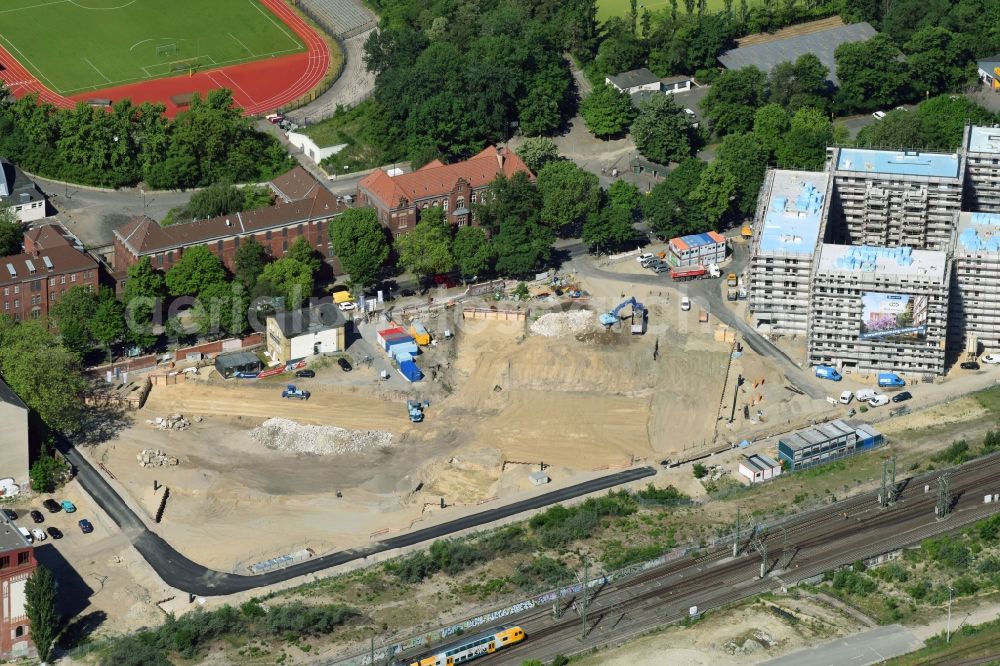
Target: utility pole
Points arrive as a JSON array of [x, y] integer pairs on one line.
[[736, 539], [586, 597], [887, 497], [948, 640], [763, 561], [944, 496]]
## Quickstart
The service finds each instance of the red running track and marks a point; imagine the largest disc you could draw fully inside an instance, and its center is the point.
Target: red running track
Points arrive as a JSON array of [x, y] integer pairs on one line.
[[258, 87]]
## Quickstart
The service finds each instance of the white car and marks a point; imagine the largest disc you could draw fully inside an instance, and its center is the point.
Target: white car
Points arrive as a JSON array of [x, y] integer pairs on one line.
[[39, 534], [845, 397], [863, 395], [644, 257], [348, 305], [879, 115], [879, 400], [991, 359], [685, 303]]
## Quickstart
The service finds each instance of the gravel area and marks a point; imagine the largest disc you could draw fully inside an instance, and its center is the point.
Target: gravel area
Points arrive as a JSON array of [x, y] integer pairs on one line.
[[285, 435], [563, 323]]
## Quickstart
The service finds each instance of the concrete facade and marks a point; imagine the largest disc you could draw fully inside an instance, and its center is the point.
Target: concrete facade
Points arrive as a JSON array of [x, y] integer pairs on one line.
[[982, 181], [975, 289], [14, 438], [20, 193], [300, 333]]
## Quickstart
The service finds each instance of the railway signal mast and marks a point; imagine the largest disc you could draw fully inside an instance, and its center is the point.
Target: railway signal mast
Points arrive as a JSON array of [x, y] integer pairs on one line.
[[944, 496], [888, 495]]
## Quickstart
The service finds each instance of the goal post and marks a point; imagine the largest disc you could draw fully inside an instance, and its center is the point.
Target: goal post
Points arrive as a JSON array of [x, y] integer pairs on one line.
[[166, 50], [186, 65]]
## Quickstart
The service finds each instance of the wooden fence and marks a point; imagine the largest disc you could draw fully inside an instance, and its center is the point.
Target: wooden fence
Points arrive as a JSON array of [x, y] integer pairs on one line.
[[495, 314]]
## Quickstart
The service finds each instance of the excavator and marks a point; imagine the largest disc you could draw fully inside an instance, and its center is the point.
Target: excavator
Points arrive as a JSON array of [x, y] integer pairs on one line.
[[608, 319]]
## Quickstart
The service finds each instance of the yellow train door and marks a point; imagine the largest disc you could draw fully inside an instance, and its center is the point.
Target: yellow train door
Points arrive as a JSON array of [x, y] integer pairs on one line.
[[492, 647]]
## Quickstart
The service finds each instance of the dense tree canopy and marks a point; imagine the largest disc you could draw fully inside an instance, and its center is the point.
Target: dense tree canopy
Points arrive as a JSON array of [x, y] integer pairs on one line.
[[194, 271], [11, 232], [427, 250], [537, 152], [936, 124], [662, 132], [795, 85], [292, 279], [569, 194], [521, 242], [871, 74], [668, 208], [733, 98], [360, 243], [474, 254], [607, 111]]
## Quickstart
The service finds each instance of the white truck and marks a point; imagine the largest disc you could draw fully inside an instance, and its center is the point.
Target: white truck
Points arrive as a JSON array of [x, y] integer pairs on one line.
[[714, 270]]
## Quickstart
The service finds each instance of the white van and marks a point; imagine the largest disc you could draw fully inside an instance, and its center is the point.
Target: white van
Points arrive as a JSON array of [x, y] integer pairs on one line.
[[26, 534], [879, 400], [845, 397], [865, 394]]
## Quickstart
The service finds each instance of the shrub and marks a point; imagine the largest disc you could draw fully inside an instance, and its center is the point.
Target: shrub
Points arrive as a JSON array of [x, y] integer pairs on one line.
[[668, 494], [542, 570], [699, 470], [956, 454]]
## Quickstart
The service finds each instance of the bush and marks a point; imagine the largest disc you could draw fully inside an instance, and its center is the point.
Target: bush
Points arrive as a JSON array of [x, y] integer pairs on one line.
[[414, 568], [138, 650], [947, 552], [542, 571], [699, 470], [891, 572], [956, 454], [964, 586], [47, 473], [668, 494], [920, 590]]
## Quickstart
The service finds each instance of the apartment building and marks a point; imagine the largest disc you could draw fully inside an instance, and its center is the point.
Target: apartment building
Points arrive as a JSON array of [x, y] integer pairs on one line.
[[791, 212], [894, 198], [982, 179], [974, 315], [878, 308]]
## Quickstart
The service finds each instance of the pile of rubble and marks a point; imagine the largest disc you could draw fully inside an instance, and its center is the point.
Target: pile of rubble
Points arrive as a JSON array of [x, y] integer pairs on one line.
[[749, 643], [285, 435], [155, 458], [563, 323], [173, 422]]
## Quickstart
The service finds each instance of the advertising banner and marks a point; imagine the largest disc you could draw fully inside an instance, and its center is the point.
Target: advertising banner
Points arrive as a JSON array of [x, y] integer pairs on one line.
[[893, 316]]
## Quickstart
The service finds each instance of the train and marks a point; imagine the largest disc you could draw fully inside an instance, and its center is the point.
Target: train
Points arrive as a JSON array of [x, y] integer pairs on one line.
[[472, 647]]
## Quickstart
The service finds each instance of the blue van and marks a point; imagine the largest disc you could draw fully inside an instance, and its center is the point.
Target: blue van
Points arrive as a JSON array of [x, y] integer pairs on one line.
[[826, 372], [890, 380]]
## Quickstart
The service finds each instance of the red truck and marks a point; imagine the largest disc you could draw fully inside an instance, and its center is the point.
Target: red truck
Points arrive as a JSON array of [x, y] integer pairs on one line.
[[688, 272]]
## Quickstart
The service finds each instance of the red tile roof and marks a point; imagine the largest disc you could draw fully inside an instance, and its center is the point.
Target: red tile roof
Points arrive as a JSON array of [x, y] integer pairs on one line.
[[296, 184], [27, 266], [436, 179]]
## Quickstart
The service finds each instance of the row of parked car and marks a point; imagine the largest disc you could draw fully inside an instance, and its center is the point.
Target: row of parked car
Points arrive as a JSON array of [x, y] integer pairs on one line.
[[873, 397], [50, 505], [653, 263]]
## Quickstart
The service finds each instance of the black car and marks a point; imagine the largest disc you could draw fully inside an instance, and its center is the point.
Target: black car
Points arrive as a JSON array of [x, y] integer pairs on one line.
[[10, 513], [37, 516], [407, 292], [969, 365], [901, 397], [54, 532], [344, 364], [51, 506], [85, 526], [305, 373]]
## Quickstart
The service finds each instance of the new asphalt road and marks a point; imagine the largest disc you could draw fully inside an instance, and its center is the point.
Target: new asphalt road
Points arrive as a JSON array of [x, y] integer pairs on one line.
[[183, 574]]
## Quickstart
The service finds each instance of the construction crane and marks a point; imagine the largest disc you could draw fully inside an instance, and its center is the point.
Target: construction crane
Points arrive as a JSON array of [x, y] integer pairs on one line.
[[638, 315]]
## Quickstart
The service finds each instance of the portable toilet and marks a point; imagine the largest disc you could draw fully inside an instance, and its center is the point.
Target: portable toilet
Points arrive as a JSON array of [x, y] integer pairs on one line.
[[420, 334]]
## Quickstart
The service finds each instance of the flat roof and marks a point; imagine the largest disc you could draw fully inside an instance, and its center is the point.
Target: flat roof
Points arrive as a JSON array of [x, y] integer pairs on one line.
[[794, 212], [760, 462], [309, 320], [899, 163], [979, 232], [237, 359], [698, 240], [897, 261], [10, 538], [984, 139], [766, 56], [633, 78]]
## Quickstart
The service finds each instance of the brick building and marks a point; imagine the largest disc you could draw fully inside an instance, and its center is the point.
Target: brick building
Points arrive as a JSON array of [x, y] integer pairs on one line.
[[52, 262], [304, 208], [17, 561], [454, 187]]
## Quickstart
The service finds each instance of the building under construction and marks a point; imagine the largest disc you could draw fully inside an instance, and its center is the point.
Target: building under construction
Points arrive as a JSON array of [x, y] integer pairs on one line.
[[825, 442]]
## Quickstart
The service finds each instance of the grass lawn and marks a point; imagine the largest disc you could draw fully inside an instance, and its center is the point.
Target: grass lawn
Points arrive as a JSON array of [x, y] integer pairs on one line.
[[608, 8], [78, 45], [351, 127]]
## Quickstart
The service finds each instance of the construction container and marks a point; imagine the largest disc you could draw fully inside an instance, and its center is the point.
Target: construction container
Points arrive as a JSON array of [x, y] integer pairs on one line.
[[397, 346], [384, 333], [420, 334], [410, 371], [342, 297], [395, 337], [403, 357]]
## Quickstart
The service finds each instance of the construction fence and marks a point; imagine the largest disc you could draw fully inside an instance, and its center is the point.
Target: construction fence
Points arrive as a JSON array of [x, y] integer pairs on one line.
[[495, 314], [219, 346]]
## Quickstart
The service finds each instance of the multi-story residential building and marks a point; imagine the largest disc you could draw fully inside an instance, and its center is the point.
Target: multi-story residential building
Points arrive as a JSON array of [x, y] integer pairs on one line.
[[974, 315], [17, 561], [53, 261], [791, 212], [892, 198], [982, 171], [305, 208], [453, 187], [877, 308], [20, 193]]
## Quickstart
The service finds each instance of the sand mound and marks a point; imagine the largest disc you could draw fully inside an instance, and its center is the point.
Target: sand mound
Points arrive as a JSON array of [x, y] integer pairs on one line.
[[285, 435], [555, 324]]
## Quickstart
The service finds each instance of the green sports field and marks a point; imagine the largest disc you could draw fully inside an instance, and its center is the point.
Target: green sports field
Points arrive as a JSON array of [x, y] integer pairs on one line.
[[78, 45]]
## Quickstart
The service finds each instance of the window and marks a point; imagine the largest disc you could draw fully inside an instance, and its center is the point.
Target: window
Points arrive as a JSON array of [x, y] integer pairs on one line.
[[17, 303], [6, 291], [474, 201], [267, 236], [17, 289], [36, 313], [72, 278], [446, 205], [284, 246], [52, 283], [4, 561], [218, 246], [19, 631], [284, 232], [24, 557]]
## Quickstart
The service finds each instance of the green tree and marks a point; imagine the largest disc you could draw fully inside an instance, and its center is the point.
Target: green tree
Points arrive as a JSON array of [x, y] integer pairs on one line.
[[608, 229], [668, 207], [360, 243], [607, 112], [713, 196], [108, 322], [871, 75], [144, 287], [301, 250], [514, 197], [733, 99], [537, 152], [620, 50], [473, 251], [624, 195], [522, 245], [194, 272], [46, 473], [222, 309], [800, 84], [72, 314], [746, 158], [291, 278], [40, 607], [770, 125], [942, 120], [804, 146], [661, 131], [427, 249], [569, 194], [11, 232], [249, 262]]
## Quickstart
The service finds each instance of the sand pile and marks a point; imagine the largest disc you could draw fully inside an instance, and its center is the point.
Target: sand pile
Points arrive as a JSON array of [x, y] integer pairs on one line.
[[555, 324], [286, 435]]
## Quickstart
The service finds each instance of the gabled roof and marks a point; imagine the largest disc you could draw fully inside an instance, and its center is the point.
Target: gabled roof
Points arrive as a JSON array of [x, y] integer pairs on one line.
[[7, 395], [633, 78], [309, 320], [55, 257], [296, 184], [988, 64], [436, 179]]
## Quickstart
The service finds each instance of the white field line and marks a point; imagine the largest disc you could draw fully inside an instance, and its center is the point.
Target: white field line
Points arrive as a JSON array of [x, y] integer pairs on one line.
[[271, 19]]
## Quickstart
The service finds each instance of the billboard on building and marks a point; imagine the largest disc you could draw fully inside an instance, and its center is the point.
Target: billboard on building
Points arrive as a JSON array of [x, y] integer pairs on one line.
[[886, 315]]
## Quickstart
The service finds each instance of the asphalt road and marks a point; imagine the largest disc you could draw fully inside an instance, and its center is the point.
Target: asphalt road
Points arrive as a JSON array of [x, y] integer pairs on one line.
[[868, 647], [180, 572]]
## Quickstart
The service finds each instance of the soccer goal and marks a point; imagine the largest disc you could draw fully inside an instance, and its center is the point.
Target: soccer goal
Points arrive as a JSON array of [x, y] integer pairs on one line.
[[167, 50], [188, 64]]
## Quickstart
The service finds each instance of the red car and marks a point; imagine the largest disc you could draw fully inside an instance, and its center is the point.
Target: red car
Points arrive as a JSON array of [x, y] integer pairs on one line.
[[444, 281]]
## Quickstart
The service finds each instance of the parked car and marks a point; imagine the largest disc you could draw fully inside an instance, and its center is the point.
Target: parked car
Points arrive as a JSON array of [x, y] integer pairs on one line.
[[902, 397], [54, 532], [845, 397], [969, 365], [344, 364], [685, 303], [274, 118], [347, 306], [37, 516], [444, 281], [864, 395], [991, 359], [39, 535], [879, 115], [67, 506], [879, 400], [644, 257], [85, 526], [407, 292], [826, 372], [10, 513], [305, 373], [661, 267], [51, 505]]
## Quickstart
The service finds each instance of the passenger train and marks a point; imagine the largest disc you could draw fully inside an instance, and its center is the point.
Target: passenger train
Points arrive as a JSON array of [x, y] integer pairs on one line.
[[472, 647]]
